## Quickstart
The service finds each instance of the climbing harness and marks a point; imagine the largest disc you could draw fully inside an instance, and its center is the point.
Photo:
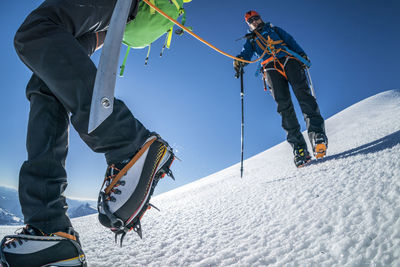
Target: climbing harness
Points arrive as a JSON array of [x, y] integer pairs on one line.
[[269, 45]]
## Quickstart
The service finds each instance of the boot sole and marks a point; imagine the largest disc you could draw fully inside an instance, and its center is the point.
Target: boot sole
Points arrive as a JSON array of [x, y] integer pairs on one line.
[[305, 163], [320, 151]]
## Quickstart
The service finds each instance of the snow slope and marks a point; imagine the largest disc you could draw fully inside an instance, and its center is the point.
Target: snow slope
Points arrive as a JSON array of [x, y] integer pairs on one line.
[[341, 211]]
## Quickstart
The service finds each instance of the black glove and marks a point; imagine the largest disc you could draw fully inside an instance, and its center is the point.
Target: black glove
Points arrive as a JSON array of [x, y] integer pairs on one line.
[[237, 64]]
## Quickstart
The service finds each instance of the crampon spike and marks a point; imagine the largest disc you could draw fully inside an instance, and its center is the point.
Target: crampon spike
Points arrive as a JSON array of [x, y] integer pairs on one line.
[[122, 238], [167, 171], [138, 228], [122, 233], [170, 174], [151, 205]]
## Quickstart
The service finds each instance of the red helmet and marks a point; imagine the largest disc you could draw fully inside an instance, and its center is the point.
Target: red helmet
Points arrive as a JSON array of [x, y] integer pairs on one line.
[[250, 14]]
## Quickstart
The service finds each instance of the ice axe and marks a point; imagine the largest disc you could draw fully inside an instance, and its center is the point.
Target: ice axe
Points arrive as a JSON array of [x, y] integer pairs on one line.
[[240, 73], [104, 85], [310, 82]]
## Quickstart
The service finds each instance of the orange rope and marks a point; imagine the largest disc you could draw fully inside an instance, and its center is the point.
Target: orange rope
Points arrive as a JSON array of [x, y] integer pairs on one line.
[[199, 38]]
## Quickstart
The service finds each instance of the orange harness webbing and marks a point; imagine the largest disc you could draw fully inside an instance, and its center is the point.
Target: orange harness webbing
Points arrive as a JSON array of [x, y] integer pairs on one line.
[[269, 46]]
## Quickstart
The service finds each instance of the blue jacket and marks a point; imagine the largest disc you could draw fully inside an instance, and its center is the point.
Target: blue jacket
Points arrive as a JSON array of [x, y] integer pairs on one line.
[[276, 34]]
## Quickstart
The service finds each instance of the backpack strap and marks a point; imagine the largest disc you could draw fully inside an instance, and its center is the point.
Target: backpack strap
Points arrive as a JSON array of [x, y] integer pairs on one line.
[[169, 37], [176, 4], [148, 54], [167, 41], [121, 73]]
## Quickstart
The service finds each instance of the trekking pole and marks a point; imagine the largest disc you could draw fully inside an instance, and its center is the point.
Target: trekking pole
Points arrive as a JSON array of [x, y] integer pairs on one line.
[[310, 82], [240, 72]]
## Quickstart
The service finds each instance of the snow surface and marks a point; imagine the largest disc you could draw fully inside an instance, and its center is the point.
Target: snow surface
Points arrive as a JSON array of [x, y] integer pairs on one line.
[[341, 211]]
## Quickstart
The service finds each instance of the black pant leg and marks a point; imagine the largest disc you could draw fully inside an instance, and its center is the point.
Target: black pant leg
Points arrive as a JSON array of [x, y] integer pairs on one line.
[[281, 94], [307, 102], [43, 179], [46, 43], [70, 74]]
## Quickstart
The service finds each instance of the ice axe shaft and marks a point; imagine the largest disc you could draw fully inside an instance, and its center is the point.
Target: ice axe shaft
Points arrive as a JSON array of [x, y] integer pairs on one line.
[[310, 82], [307, 68], [104, 85]]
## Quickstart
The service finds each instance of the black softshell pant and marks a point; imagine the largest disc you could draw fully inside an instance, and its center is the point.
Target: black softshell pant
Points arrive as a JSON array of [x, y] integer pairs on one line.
[[55, 42], [308, 104]]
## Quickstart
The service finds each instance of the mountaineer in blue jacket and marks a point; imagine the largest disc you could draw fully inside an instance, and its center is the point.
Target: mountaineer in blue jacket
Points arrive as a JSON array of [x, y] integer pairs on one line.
[[280, 68]]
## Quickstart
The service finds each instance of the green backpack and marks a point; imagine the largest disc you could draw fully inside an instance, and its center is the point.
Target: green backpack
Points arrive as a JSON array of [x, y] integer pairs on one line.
[[149, 25]]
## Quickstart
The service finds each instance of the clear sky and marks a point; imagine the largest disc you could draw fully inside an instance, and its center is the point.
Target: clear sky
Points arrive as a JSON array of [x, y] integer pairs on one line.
[[190, 96]]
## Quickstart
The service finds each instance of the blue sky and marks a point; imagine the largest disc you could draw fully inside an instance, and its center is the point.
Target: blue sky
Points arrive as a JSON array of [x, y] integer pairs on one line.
[[190, 96]]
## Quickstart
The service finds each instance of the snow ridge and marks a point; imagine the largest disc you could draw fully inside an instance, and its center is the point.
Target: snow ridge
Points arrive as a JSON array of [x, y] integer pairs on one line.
[[11, 214]]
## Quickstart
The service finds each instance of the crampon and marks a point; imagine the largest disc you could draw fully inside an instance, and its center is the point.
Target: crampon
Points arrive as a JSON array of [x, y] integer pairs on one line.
[[129, 185]]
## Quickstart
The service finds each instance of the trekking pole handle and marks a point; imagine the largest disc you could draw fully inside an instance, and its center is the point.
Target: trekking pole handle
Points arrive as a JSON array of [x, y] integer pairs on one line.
[[238, 72]]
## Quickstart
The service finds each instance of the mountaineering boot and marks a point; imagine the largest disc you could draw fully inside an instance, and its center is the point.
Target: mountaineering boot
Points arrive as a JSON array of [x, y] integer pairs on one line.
[[129, 185], [301, 156], [319, 142], [31, 247]]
